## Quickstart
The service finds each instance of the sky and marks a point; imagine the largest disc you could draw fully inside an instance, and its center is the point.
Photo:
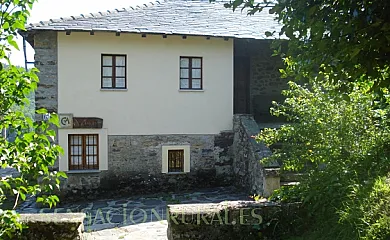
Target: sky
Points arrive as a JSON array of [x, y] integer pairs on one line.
[[44, 10]]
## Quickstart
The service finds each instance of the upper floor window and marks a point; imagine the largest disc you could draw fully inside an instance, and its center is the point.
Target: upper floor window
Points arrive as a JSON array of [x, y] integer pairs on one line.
[[191, 73], [113, 71], [83, 151]]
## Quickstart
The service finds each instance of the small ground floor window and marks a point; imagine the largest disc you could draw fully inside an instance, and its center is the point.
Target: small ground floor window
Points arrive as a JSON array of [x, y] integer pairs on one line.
[[83, 151], [176, 159]]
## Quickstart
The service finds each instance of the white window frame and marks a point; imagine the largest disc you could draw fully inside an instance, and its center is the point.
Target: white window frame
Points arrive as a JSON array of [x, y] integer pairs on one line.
[[187, 158], [63, 135]]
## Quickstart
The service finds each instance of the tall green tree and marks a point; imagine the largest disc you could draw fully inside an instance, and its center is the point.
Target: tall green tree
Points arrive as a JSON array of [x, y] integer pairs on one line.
[[340, 41], [33, 151], [337, 107]]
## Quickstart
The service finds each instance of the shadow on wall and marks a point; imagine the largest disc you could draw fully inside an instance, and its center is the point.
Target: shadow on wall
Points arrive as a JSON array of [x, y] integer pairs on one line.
[[262, 105]]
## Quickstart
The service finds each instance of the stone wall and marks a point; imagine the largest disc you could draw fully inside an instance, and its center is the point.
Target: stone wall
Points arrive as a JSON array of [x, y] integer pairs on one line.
[[45, 46], [249, 172], [46, 59], [135, 163], [234, 221], [265, 83], [51, 226]]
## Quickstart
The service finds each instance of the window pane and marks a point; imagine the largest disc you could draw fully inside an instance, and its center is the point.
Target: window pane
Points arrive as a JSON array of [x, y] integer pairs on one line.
[[175, 160], [184, 62], [76, 160], [184, 83], [91, 150], [107, 82], [91, 160], [196, 83], [120, 71], [76, 150], [75, 140], [107, 71], [196, 63], [120, 83], [196, 73], [120, 61], [107, 60], [91, 140], [184, 73]]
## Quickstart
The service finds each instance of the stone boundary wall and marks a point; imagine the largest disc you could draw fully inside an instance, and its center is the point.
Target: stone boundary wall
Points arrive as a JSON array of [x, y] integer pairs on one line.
[[250, 174], [52, 226], [233, 221]]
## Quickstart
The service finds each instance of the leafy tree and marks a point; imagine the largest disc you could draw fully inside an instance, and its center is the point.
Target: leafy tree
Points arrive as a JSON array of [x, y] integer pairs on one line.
[[337, 107], [32, 152], [338, 41], [342, 146]]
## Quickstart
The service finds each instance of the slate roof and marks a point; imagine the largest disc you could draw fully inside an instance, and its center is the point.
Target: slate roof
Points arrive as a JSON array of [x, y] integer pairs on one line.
[[178, 17]]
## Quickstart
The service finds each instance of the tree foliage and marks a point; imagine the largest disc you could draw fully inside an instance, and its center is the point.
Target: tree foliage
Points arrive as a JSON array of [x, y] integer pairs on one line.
[[340, 41], [343, 147], [337, 109], [32, 152]]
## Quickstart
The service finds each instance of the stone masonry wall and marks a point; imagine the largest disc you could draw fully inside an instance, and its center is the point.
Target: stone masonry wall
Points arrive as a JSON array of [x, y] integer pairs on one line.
[[49, 226], [265, 82], [46, 60], [234, 220], [45, 46], [250, 173], [135, 162]]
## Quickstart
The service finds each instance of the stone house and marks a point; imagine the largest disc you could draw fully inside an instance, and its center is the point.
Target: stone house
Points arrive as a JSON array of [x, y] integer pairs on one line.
[[146, 95]]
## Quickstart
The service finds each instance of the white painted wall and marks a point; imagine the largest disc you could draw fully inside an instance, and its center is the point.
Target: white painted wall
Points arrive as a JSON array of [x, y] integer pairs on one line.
[[153, 103]]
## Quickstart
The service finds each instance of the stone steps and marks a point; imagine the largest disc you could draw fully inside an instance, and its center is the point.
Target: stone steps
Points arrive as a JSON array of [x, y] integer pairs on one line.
[[289, 179], [288, 184]]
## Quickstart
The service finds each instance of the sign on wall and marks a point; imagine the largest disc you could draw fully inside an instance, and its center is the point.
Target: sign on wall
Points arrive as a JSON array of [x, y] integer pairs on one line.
[[87, 122], [66, 120], [46, 117]]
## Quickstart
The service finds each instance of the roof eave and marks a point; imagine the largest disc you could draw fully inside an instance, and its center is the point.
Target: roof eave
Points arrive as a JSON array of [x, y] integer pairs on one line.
[[30, 32]]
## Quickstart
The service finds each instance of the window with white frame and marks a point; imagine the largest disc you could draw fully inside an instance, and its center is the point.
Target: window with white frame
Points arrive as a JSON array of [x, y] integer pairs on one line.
[[176, 159], [83, 151], [191, 73], [113, 71]]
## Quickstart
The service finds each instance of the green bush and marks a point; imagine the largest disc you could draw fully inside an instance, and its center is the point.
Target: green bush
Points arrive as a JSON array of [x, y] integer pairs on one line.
[[342, 143], [32, 150], [369, 210]]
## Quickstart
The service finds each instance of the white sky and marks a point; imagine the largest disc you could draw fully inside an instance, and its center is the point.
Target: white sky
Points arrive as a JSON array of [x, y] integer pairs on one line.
[[44, 10]]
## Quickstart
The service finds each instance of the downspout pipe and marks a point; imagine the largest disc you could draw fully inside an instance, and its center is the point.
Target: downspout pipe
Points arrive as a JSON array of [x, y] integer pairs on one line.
[[25, 52]]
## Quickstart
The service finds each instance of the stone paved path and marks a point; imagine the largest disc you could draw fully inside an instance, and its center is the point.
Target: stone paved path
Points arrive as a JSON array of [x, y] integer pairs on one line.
[[136, 218]]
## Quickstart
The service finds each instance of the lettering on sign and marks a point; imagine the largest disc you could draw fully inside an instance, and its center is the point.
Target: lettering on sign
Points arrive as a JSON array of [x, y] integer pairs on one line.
[[66, 120], [87, 122]]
